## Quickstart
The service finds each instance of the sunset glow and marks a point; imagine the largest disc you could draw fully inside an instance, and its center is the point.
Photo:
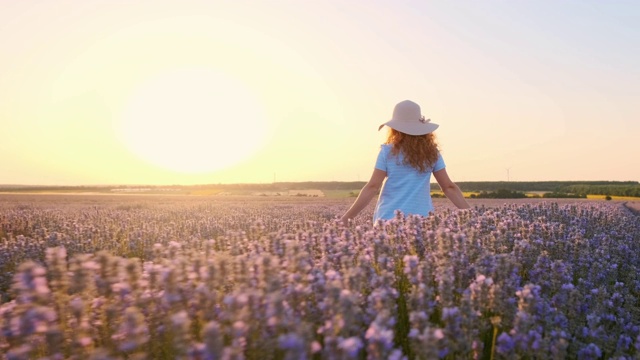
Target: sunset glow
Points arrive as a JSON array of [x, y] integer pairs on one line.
[[193, 121], [193, 92]]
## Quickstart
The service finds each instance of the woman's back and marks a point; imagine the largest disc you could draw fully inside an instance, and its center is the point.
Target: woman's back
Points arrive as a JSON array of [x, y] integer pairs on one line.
[[406, 188]]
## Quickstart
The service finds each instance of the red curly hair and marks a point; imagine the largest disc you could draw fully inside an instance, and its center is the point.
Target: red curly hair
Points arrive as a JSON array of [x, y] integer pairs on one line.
[[420, 151]]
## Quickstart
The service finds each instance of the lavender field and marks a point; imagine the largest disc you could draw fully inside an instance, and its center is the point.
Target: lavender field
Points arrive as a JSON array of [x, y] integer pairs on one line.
[[134, 277]]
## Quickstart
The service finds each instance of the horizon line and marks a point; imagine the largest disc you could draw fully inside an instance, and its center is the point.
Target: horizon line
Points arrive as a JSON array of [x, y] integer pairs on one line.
[[299, 182]]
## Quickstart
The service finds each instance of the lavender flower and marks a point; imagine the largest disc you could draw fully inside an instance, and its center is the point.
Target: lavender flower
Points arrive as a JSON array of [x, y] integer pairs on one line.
[[351, 346], [223, 278]]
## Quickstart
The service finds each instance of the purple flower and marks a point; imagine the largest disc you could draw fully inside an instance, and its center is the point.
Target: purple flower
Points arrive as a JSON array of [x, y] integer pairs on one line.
[[505, 344], [590, 352], [351, 346], [315, 347], [624, 343], [290, 341], [381, 335], [180, 319]]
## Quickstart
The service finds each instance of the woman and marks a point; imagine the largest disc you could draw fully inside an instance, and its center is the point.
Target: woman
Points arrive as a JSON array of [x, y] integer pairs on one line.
[[406, 160]]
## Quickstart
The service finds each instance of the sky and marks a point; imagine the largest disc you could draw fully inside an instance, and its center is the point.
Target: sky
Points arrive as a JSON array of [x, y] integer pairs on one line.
[[206, 92]]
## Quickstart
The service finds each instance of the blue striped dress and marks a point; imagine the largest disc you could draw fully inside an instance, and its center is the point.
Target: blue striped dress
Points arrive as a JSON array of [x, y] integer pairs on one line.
[[405, 188]]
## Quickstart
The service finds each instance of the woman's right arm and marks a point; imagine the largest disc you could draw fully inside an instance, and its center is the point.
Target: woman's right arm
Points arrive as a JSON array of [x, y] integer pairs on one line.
[[450, 189], [368, 192]]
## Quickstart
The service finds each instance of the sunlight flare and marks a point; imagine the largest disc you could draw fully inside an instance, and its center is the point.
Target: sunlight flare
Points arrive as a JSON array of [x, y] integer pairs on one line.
[[193, 120]]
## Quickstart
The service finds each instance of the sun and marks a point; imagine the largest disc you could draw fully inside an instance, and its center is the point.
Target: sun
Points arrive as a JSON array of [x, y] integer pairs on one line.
[[193, 120]]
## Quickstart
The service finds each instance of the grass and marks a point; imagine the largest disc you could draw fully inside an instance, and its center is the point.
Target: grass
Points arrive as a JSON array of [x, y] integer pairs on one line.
[[466, 194], [340, 194], [205, 192], [613, 197]]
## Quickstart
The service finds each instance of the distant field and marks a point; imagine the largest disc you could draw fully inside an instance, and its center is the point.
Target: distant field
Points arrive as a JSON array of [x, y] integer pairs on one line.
[[633, 206], [339, 188], [334, 190], [613, 197], [205, 192], [330, 194], [337, 194]]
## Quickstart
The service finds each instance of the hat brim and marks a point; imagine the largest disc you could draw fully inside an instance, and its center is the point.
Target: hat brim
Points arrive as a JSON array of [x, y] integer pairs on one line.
[[416, 128]]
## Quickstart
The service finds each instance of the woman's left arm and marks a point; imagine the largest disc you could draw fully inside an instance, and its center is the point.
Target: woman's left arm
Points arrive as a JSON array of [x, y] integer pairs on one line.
[[450, 189]]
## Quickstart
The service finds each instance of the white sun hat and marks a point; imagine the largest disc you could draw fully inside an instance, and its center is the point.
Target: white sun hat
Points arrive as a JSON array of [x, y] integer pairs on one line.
[[408, 119]]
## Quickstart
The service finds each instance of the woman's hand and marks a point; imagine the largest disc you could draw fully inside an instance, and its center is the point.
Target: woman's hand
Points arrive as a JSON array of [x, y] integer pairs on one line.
[[344, 220]]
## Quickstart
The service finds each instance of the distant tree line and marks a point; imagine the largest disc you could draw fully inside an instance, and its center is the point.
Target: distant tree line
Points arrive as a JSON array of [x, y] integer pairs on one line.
[[564, 195], [524, 186], [557, 189], [616, 190], [491, 188], [322, 185], [499, 194]]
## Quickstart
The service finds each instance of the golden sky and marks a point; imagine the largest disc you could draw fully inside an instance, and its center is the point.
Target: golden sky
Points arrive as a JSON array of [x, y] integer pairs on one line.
[[196, 92]]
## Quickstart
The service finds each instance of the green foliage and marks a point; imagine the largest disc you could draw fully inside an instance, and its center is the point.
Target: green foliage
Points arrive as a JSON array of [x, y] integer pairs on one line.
[[403, 324], [618, 188], [610, 189], [501, 194], [562, 195]]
